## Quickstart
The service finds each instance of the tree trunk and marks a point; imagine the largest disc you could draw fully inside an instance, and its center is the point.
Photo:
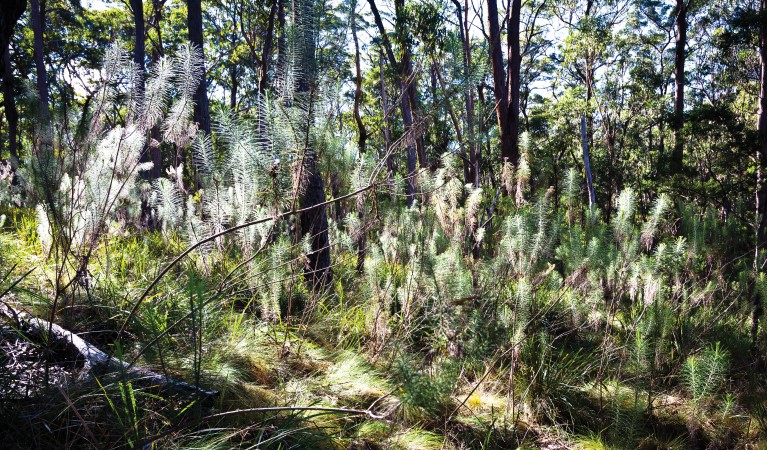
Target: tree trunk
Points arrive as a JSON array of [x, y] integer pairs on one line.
[[157, 52], [37, 14], [407, 116], [761, 196], [363, 135], [139, 59], [139, 52], [12, 11], [515, 62], [679, 82], [235, 83], [361, 140], [281, 47], [386, 131], [201, 108], [587, 165], [314, 223], [463, 26], [11, 113], [266, 54], [509, 153]]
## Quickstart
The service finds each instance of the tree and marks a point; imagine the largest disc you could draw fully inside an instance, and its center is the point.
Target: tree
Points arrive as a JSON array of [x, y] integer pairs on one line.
[[506, 89], [201, 108], [679, 83], [405, 104], [139, 52], [38, 26], [12, 11], [762, 125], [314, 223], [266, 54]]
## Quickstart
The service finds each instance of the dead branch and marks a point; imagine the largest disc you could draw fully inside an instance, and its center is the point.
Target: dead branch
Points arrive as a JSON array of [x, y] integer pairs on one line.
[[95, 359]]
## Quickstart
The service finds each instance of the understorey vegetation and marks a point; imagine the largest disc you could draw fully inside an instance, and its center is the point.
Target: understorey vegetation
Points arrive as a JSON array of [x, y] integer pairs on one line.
[[264, 235]]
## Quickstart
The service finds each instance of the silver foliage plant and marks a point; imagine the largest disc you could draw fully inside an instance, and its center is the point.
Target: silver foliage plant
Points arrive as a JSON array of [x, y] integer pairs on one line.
[[99, 187]]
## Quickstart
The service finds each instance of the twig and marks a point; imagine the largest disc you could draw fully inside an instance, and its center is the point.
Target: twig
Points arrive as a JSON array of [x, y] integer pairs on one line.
[[212, 237]]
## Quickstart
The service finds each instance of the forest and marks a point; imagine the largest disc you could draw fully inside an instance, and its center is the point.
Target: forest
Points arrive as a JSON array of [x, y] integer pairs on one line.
[[383, 224]]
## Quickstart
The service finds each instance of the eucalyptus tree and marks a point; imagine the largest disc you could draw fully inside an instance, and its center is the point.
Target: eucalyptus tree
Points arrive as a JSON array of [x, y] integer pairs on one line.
[[8, 19], [506, 79], [37, 15], [404, 66], [680, 53], [762, 123]]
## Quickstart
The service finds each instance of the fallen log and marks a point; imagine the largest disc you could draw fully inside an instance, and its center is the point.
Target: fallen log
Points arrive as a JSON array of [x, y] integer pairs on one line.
[[97, 361]]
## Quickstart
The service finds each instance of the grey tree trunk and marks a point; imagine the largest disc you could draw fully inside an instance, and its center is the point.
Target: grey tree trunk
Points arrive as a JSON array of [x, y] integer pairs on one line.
[[587, 164]]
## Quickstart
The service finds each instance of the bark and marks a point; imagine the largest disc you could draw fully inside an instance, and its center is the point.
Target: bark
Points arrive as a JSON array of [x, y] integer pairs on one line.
[[281, 42], [587, 165], [201, 107], [509, 152], [263, 73], [11, 12], [139, 42], [95, 359], [314, 223], [37, 14], [362, 138], [385, 108], [761, 195], [679, 83], [463, 21], [157, 15], [157, 52], [11, 113], [234, 82], [515, 62]]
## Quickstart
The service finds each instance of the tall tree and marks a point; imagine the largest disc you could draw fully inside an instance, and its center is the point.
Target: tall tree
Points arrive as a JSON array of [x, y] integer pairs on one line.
[[37, 14], [762, 125], [506, 89], [761, 194], [361, 131], [201, 108], [158, 51], [9, 104], [11, 12], [263, 71], [474, 148], [139, 38], [405, 105], [314, 223], [679, 83]]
